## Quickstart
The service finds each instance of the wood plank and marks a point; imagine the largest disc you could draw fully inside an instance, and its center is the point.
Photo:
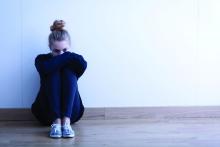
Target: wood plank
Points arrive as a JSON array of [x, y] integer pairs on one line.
[[125, 113], [202, 132]]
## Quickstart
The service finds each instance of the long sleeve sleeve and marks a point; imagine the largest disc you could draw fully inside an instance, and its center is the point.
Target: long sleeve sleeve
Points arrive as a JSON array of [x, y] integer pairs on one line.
[[47, 66], [78, 64]]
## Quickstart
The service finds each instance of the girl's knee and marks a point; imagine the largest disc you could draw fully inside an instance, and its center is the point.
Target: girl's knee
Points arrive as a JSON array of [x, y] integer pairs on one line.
[[54, 76], [68, 73]]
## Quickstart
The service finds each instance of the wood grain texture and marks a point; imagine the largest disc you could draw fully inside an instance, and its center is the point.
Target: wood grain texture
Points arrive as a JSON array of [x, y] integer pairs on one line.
[[191, 132], [126, 113]]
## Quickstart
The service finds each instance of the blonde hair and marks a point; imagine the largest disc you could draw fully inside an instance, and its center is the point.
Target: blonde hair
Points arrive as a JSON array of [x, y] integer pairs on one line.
[[58, 33]]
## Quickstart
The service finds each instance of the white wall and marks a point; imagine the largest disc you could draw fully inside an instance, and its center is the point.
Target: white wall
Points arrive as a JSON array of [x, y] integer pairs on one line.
[[139, 52]]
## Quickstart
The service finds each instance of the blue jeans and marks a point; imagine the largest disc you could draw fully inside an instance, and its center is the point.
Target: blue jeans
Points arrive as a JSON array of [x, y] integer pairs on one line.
[[58, 98]]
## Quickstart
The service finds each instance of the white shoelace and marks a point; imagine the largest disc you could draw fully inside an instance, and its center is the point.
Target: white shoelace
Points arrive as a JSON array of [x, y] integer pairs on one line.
[[56, 127], [68, 128]]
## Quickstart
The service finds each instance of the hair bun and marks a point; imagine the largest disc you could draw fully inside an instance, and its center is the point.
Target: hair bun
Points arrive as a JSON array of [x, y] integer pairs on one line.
[[57, 25]]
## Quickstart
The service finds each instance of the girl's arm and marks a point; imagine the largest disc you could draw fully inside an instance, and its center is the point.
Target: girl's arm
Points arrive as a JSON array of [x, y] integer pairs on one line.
[[46, 66], [78, 64]]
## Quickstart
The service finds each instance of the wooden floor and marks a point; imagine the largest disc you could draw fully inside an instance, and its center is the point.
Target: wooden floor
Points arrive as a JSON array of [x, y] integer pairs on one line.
[[117, 133]]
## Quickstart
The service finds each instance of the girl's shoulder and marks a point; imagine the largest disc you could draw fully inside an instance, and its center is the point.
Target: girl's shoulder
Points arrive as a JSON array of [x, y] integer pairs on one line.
[[47, 55], [43, 56]]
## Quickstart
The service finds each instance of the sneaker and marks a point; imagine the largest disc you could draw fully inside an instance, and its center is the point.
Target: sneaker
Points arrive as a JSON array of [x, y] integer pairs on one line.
[[55, 131], [67, 131]]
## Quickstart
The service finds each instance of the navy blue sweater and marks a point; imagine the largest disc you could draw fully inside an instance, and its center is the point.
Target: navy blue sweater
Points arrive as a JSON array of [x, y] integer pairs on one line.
[[47, 64]]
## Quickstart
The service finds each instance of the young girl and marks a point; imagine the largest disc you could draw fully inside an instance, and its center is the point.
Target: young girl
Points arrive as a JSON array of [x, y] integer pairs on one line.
[[58, 102]]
